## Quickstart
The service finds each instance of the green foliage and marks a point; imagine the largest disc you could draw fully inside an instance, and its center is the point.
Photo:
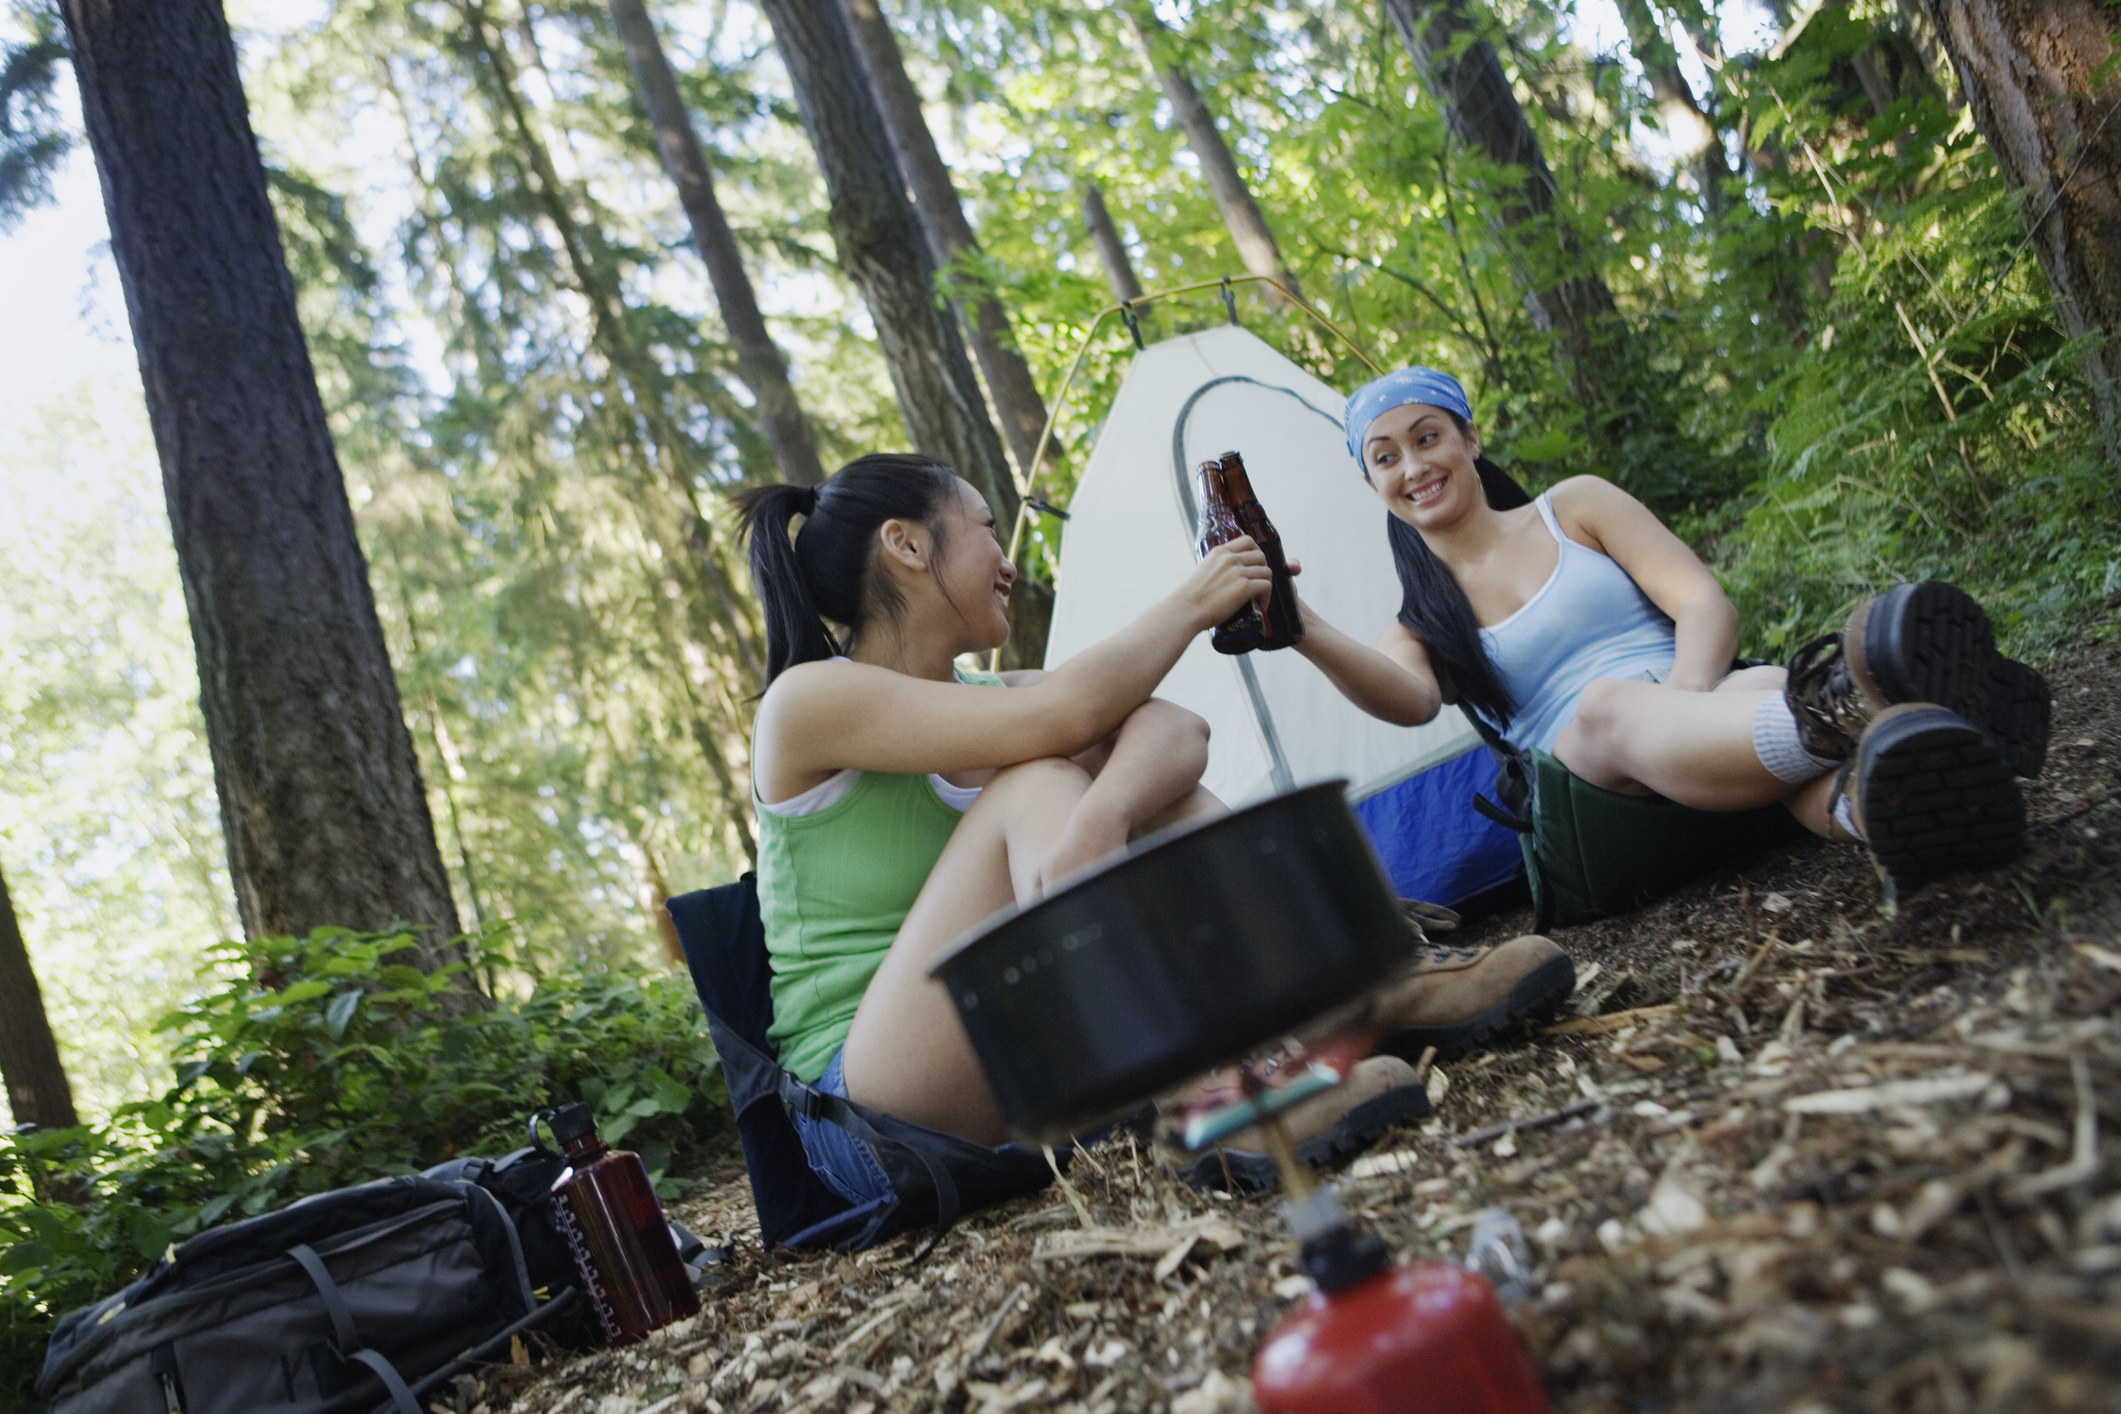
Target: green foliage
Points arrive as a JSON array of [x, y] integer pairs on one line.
[[325, 1062], [110, 833], [32, 139]]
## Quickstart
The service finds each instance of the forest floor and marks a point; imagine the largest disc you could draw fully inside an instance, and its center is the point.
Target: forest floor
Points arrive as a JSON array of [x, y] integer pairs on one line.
[[1810, 1156]]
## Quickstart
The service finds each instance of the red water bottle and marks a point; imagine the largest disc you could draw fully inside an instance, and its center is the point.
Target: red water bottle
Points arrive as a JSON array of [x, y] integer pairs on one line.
[[1427, 1338], [622, 1247]]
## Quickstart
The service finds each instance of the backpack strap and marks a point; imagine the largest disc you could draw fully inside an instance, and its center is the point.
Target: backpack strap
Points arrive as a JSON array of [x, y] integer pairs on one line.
[[476, 1195], [401, 1398], [873, 1127], [342, 1321], [1516, 807], [346, 1334]]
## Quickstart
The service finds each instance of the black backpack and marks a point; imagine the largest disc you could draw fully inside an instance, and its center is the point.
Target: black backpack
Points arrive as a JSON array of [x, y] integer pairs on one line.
[[360, 1299]]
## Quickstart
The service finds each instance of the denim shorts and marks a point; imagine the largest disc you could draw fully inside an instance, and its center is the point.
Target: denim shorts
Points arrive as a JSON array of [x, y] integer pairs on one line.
[[847, 1164]]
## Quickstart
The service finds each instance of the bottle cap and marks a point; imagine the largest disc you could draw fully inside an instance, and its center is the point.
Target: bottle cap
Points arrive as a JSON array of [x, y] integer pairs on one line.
[[1341, 1256], [572, 1122]]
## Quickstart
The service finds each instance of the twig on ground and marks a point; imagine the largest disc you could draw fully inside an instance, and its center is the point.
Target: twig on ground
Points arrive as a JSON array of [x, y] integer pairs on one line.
[[1538, 1121], [2084, 1158], [1613, 1021]]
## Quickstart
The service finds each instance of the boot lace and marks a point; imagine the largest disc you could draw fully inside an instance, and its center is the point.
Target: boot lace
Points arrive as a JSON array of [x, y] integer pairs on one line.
[[1830, 710]]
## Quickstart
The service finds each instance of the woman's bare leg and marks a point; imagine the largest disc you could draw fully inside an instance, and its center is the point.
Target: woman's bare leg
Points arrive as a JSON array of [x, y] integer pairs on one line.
[[907, 1053], [1693, 747], [1201, 804], [1148, 769]]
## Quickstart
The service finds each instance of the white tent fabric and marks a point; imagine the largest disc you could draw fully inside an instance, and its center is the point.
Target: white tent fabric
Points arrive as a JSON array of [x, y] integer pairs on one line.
[[1276, 721]]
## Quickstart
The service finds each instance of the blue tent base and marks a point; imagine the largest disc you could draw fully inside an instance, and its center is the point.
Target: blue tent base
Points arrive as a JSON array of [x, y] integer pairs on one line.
[[1433, 844]]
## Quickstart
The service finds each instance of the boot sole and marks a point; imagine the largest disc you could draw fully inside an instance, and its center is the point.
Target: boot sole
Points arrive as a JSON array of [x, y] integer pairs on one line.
[[1539, 991], [1931, 642], [1248, 1171], [1935, 797]]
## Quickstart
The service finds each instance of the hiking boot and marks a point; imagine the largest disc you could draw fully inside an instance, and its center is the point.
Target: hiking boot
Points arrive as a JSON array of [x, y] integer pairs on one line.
[[1460, 999], [1379, 1094], [1927, 642], [1930, 795]]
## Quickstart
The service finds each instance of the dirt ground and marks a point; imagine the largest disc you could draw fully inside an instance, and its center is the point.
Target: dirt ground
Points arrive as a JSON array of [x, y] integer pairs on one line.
[[1788, 1152]]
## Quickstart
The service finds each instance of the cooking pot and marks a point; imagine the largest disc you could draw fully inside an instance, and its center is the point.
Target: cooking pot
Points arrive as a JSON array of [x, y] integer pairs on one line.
[[1198, 945]]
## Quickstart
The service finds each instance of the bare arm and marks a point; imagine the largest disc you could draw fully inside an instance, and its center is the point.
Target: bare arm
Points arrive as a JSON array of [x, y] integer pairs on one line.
[[1392, 681], [1704, 622], [818, 718]]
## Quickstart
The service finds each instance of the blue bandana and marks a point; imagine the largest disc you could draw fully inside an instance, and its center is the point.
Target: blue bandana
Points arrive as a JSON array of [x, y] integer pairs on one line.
[[1396, 390]]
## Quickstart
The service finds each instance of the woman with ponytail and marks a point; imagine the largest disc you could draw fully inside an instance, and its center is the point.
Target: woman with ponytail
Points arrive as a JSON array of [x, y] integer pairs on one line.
[[1577, 624], [902, 800]]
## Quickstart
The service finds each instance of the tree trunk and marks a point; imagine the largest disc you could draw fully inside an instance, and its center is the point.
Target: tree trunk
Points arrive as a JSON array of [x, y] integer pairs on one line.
[[1016, 397], [321, 800], [881, 248], [37, 1091], [1233, 196], [1010, 383], [758, 358], [1562, 292], [2028, 68], [1111, 250]]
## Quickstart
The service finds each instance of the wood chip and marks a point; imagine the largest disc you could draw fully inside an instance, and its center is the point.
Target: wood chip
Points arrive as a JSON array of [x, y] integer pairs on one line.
[[1155, 1240], [2105, 957], [1613, 1021], [1865, 1098]]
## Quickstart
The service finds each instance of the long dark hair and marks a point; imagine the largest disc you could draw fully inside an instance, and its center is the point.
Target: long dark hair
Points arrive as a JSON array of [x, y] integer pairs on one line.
[[1434, 607], [827, 570]]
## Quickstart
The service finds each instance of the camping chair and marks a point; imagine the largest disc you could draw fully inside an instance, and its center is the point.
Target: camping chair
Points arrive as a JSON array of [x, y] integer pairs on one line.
[[1590, 853], [934, 1176]]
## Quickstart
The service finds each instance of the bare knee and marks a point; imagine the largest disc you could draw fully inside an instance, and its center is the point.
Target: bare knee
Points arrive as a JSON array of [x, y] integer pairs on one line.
[[1601, 716]]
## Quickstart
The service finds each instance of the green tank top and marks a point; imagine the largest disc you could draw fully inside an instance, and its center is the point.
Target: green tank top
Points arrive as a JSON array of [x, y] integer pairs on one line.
[[834, 888]]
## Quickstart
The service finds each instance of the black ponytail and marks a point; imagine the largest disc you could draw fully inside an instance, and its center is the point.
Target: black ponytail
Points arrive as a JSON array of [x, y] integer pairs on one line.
[[1434, 607], [827, 571]]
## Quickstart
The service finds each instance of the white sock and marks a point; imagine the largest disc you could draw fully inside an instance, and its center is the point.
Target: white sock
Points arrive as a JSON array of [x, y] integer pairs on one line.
[[1844, 813], [1775, 742]]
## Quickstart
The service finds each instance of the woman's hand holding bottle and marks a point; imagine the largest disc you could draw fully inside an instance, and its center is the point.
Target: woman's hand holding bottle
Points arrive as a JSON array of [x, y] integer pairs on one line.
[[1227, 577]]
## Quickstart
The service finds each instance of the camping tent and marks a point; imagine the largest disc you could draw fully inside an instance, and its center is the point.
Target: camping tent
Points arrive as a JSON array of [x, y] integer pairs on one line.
[[1276, 721]]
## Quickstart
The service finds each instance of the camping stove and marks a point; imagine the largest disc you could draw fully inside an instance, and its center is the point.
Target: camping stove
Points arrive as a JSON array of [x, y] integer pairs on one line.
[[1372, 1338]]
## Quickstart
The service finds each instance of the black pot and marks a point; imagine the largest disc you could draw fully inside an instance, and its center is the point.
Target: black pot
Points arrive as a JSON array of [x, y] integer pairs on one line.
[[1198, 945]]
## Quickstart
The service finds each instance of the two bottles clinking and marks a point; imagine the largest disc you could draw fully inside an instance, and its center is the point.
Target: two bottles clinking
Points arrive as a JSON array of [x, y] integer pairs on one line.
[[1228, 509]]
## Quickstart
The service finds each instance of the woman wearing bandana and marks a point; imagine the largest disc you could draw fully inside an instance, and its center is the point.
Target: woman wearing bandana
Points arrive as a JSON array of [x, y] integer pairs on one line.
[[1579, 625]]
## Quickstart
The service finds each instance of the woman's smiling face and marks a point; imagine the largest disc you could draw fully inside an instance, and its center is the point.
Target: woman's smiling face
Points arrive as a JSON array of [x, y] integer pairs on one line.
[[974, 571], [1421, 466]]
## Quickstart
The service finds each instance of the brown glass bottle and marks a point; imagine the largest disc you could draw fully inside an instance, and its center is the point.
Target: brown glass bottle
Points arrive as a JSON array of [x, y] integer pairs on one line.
[[1281, 620], [1242, 631], [621, 1242]]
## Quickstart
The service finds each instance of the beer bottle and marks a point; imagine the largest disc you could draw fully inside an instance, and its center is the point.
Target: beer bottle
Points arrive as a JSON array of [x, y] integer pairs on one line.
[[1281, 620], [1242, 631]]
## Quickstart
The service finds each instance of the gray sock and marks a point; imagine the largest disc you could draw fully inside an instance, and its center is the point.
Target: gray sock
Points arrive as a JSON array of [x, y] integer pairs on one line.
[[1775, 743]]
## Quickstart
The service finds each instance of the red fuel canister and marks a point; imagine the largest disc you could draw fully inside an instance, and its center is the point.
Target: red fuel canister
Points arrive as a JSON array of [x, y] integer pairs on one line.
[[1426, 1338]]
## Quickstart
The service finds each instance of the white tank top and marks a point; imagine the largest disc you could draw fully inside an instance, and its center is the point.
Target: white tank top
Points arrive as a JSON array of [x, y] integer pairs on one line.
[[1589, 620]]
